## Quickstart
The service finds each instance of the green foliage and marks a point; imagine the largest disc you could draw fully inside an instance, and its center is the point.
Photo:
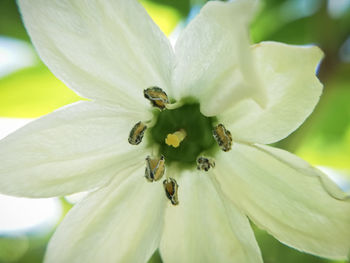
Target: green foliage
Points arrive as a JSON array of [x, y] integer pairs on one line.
[[33, 92], [166, 17], [183, 6], [275, 252], [327, 140], [10, 20]]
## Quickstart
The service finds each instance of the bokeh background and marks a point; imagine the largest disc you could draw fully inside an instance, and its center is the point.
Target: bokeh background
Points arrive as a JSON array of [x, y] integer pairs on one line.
[[28, 90]]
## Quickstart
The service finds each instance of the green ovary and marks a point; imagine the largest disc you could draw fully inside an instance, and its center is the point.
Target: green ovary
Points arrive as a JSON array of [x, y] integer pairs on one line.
[[198, 128]]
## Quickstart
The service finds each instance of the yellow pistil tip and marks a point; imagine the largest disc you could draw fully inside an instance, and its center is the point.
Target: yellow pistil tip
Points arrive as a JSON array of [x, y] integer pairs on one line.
[[174, 139]]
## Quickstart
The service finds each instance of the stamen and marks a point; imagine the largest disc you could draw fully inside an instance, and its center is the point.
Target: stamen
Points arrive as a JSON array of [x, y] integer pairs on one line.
[[204, 163], [223, 137], [136, 133], [175, 105], [174, 139], [155, 168], [157, 97], [171, 188]]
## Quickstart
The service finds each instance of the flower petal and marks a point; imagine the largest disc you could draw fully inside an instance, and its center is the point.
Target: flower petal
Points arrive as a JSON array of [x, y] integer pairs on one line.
[[105, 50], [205, 227], [74, 149], [331, 186], [118, 223], [293, 90], [285, 198], [213, 57]]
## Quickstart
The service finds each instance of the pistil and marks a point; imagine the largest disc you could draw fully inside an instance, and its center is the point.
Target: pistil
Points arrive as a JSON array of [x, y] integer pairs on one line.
[[174, 139]]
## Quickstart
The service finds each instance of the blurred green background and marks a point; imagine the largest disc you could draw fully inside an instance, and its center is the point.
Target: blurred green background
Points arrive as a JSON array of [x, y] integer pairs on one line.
[[29, 90]]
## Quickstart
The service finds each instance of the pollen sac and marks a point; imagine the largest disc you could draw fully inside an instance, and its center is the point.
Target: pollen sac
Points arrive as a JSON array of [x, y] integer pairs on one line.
[[171, 187], [136, 133], [157, 97], [155, 168], [205, 164], [223, 137]]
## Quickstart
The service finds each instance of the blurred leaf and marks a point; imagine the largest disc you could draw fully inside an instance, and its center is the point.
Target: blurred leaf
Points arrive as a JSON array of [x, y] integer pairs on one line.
[[25, 248], [327, 141], [300, 22], [300, 31], [166, 17], [33, 92], [10, 20], [290, 21], [183, 6], [13, 248], [275, 252]]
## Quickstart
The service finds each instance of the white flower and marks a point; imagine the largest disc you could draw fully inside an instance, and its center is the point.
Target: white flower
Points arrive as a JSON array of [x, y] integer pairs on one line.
[[110, 52]]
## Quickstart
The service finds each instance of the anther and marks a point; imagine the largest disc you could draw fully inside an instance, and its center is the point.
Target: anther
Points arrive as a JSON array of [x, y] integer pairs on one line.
[[155, 168], [157, 97], [204, 163], [223, 137], [136, 133], [171, 187], [174, 139]]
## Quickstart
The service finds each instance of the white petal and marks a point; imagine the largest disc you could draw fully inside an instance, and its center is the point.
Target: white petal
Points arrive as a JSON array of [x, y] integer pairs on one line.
[[293, 90], [331, 186], [205, 227], [105, 50], [285, 198], [118, 223], [73, 149], [213, 56]]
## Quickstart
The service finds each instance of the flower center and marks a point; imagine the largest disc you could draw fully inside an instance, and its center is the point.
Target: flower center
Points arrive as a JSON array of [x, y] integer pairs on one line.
[[183, 134]]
